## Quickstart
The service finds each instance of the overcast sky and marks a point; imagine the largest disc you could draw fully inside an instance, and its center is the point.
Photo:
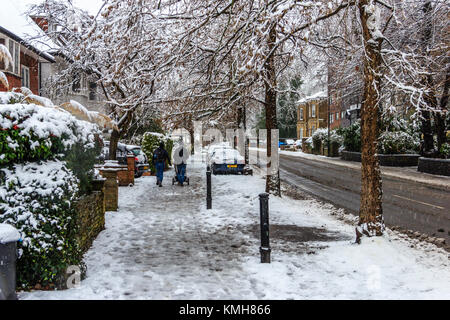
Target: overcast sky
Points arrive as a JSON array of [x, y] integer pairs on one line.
[[92, 6]]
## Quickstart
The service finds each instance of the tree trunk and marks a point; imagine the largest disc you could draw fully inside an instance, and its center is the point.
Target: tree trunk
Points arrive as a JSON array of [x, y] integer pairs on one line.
[[116, 135], [273, 176], [441, 116], [370, 213], [113, 142], [430, 98], [191, 134]]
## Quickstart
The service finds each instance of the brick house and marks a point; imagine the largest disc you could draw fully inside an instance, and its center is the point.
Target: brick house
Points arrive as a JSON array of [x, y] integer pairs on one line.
[[82, 87], [25, 71], [311, 115]]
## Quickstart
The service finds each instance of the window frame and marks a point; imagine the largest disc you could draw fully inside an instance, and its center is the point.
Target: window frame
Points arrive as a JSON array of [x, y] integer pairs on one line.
[[14, 67], [22, 75]]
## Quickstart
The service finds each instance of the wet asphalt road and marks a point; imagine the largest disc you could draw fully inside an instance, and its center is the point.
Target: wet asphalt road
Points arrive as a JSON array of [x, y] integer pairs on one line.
[[407, 204]]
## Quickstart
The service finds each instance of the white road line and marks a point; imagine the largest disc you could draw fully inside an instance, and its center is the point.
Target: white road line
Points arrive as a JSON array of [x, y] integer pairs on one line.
[[424, 203]]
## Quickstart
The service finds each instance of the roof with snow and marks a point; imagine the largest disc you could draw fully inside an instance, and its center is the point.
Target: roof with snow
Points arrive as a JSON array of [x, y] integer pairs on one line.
[[15, 24], [315, 96]]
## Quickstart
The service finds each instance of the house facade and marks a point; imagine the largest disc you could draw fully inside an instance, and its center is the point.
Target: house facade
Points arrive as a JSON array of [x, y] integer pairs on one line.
[[311, 115], [81, 87], [26, 69]]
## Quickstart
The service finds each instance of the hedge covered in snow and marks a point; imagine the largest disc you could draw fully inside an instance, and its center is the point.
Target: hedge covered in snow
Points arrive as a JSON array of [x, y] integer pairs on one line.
[[37, 199], [46, 163], [151, 141]]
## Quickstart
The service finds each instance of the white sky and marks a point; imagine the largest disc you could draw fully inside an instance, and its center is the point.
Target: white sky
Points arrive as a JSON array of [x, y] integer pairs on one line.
[[92, 6]]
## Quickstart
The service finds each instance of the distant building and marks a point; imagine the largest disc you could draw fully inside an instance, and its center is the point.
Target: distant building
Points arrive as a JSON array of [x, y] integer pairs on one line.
[[311, 114]]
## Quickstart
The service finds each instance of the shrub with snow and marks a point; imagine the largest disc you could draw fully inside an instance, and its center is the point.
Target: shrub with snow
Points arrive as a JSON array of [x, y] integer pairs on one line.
[[398, 142], [37, 198], [46, 163], [319, 137], [151, 141]]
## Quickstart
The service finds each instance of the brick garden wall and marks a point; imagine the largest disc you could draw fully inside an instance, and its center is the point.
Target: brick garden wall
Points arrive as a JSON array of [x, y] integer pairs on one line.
[[91, 218]]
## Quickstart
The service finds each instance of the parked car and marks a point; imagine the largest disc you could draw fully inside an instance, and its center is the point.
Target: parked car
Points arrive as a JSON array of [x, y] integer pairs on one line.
[[141, 164], [290, 143], [214, 147], [282, 143], [140, 159], [227, 161], [298, 144]]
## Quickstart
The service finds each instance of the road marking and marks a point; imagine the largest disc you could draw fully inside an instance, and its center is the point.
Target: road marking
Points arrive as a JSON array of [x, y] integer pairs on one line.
[[427, 204]]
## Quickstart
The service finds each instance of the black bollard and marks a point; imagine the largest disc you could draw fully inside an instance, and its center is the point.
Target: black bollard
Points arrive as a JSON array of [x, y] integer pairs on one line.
[[264, 216], [208, 190]]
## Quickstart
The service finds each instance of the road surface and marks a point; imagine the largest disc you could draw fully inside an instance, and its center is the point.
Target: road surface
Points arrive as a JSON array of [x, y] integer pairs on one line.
[[408, 204]]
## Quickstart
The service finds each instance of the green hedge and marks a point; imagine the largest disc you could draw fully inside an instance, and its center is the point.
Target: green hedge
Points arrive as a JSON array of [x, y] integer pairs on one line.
[[151, 141], [37, 198]]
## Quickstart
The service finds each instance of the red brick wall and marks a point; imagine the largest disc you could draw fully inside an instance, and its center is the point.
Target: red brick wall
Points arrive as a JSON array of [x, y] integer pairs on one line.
[[16, 81], [33, 65]]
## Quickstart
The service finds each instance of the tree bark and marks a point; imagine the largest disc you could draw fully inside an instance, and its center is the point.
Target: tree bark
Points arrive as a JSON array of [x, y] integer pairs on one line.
[[272, 178], [116, 135], [441, 115], [371, 212], [430, 98]]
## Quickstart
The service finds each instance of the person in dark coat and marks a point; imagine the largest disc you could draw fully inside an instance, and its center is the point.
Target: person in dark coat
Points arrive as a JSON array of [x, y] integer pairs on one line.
[[160, 156]]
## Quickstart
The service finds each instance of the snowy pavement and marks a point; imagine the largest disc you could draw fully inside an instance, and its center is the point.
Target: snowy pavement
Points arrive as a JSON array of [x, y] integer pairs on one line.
[[164, 244]]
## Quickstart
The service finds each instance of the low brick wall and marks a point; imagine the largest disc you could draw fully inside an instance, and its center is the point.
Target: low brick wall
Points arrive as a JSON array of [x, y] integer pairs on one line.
[[389, 160], [351, 156], [434, 166], [91, 218]]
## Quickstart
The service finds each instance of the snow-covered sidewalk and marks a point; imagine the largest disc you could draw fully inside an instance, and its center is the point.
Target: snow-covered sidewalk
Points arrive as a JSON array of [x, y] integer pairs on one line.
[[164, 244]]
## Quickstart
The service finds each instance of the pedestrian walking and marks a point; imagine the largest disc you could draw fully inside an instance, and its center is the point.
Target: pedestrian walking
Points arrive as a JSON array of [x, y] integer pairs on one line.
[[180, 157], [160, 156]]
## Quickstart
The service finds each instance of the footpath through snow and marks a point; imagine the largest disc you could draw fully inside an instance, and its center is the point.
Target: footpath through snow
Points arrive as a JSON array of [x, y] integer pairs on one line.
[[164, 244]]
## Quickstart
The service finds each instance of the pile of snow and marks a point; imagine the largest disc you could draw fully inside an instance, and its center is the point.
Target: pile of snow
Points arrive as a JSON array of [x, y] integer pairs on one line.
[[8, 233]]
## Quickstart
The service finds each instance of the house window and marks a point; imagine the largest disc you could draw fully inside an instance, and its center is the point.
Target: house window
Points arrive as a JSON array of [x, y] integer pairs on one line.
[[14, 50], [25, 77], [301, 113], [313, 111], [332, 118], [301, 133], [337, 116]]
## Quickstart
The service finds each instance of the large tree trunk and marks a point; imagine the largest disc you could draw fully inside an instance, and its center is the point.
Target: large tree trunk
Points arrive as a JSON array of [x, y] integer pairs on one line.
[[430, 98], [116, 135], [370, 213], [441, 115], [113, 142], [273, 176]]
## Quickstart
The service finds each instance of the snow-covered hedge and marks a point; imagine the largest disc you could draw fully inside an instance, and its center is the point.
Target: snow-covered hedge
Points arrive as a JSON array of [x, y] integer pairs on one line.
[[29, 132], [151, 141], [397, 137], [398, 142], [47, 157], [320, 136], [37, 199]]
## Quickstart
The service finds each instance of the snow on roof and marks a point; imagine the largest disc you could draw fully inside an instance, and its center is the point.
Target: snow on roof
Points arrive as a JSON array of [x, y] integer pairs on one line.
[[14, 20], [315, 96]]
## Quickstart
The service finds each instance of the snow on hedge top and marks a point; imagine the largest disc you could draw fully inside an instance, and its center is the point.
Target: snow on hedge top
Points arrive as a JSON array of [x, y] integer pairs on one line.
[[8, 233], [45, 122]]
